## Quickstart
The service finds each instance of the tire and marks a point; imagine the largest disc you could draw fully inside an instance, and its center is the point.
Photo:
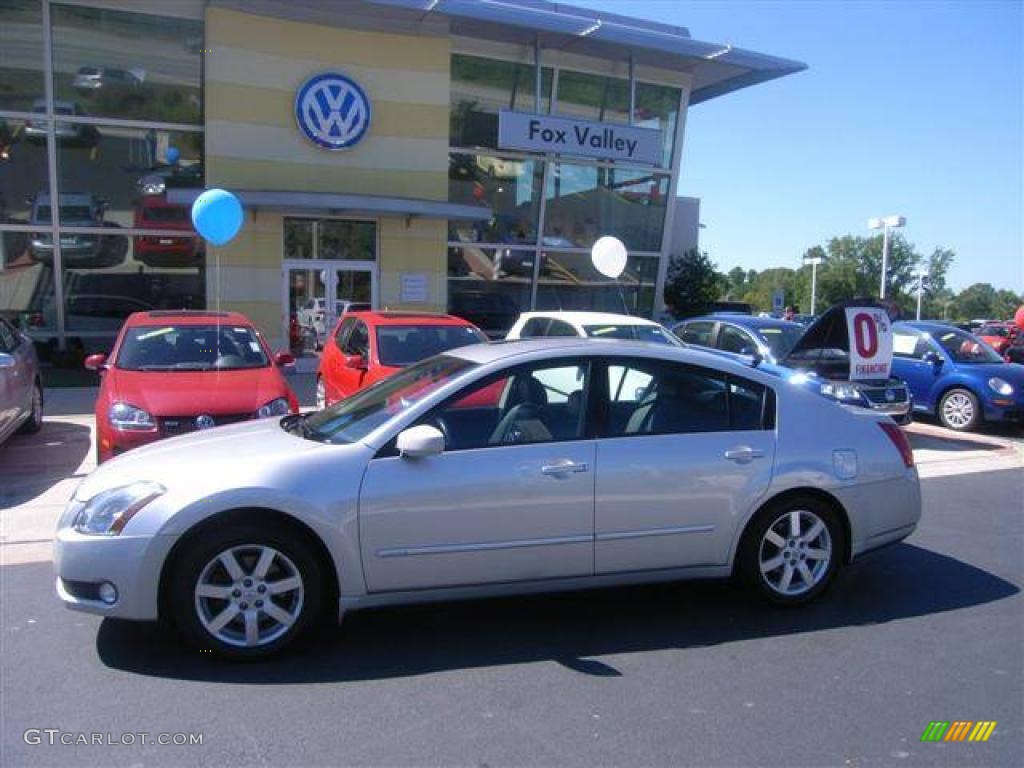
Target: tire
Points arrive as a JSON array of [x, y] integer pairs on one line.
[[959, 410], [35, 419], [817, 552], [230, 616]]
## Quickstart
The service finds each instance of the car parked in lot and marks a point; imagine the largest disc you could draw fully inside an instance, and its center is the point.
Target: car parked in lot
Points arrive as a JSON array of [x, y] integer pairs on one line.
[[956, 376], [176, 371], [365, 347], [154, 212], [65, 132], [108, 81], [819, 353], [999, 336], [77, 250], [417, 489], [21, 386], [589, 325]]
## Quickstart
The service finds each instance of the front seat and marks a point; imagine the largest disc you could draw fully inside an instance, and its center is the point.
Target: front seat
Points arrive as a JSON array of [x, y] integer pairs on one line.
[[523, 421]]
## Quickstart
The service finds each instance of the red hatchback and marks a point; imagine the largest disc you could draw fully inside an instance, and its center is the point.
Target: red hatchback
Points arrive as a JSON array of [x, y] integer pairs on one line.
[[366, 347], [173, 372]]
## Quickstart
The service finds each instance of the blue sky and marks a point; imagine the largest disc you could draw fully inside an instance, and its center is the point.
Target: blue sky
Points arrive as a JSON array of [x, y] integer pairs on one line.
[[909, 108]]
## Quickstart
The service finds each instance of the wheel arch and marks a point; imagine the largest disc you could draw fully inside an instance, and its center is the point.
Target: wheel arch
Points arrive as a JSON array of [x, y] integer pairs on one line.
[[790, 493], [260, 515]]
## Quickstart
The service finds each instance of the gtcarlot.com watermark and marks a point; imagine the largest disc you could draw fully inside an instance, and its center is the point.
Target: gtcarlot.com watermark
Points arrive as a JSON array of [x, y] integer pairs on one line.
[[55, 736]]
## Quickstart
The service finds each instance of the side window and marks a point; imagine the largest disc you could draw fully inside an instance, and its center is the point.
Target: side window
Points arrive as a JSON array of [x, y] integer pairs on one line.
[[358, 341], [682, 399], [8, 341], [561, 328], [698, 333], [343, 331], [732, 339], [538, 403], [908, 345], [534, 327]]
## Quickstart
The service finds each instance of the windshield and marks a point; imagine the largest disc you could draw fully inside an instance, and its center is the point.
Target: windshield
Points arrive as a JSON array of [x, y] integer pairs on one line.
[[402, 345], [653, 333], [780, 339], [190, 348], [355, 417], [965, 348]]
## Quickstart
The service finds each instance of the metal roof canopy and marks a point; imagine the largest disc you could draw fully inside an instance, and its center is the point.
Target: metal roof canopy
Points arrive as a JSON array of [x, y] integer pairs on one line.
[[354, 205], [717, 69]]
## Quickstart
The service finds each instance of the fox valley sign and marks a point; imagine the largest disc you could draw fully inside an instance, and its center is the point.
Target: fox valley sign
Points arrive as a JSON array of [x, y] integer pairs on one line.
[[544, 133]]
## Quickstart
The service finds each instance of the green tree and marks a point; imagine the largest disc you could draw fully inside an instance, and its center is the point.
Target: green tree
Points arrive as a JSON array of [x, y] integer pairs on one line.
[[976, 301], [692, 282]]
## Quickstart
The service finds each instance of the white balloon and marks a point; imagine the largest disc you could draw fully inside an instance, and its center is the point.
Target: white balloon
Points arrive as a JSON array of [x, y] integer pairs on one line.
[[609, 256]]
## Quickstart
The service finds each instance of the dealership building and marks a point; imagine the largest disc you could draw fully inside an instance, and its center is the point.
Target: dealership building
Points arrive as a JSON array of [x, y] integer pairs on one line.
[[459, 155]]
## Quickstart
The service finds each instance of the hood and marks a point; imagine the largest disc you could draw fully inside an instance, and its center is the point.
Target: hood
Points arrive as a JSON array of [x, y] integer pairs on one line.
[[824, 348], [1012, 373], [190, 393]]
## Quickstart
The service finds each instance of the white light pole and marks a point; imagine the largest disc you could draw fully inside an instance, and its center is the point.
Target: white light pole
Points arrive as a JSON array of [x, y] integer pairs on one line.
[[885, 224], [921, 277], [814, 261]]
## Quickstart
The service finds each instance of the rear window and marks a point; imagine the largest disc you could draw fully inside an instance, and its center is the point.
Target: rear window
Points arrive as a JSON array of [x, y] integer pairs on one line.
[[401, 345], [630, 332]]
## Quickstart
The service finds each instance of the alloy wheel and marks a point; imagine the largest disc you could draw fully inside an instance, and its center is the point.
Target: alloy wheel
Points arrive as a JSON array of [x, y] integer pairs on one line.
[[958, 410], [795, 552], [249, 595]]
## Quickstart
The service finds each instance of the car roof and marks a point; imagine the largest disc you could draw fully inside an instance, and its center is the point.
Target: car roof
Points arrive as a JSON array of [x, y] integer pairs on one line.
[[186, 317], [591, 318], [407, 318], [747, 321], [926, 325]]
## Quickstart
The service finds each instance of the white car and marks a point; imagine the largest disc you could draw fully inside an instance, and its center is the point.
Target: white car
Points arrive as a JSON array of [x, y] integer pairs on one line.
[[593, 325], [492, 469]]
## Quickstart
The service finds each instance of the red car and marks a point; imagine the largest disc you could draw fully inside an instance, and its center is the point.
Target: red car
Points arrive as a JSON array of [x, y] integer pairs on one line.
[[154, 212], [365, 347], [999, 336], [173, 372]]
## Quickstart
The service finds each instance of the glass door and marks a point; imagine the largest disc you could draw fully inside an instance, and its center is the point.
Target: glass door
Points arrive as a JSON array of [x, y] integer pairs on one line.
[[317, 295]]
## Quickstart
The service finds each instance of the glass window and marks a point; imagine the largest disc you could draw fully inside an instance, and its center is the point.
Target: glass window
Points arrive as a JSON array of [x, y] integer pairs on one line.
[[698, 333], [732, 339], [212, 347], [510, 187], [781, 339], [299, 238], [747, 405], [598, 98], [536, 327], [358, 341], [540, 403], [483, 87], [585, 202], [341, 239], [909, 344], [657, 106], [965, 348], [344, 328], [631, 332], [21, 54], [489, 287], [402, 345], [561, 328], [128, 65], [569, 281], [23, 168], [8, 341]]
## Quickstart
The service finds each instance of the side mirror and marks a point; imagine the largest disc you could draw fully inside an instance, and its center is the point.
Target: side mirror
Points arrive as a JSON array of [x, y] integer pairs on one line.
[[753, 354], [933, 357], [282, 359], [96, 362], [6, 361], [356, 362], [421, 441]]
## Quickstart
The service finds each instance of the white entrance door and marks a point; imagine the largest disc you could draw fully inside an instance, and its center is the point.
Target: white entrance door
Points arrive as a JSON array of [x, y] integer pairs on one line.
[[315, 293]]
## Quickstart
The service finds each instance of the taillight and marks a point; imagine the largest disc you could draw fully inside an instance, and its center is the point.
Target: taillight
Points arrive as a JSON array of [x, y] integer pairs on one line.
[[900, 441]]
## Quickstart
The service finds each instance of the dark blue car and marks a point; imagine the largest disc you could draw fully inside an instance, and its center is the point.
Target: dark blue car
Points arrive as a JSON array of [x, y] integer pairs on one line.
[[818, 354], [956, 376]]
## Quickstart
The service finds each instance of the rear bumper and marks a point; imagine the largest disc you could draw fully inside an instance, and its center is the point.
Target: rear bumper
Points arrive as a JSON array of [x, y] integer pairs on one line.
[[883, 512]]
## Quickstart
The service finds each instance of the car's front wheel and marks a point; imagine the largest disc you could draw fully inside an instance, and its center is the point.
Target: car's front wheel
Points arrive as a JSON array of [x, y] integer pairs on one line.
[[246, 592], [35, 418], [959, 410], [792, 550]]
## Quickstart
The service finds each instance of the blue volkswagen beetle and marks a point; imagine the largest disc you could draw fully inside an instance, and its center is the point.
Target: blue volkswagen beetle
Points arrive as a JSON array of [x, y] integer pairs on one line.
[[956, 376]]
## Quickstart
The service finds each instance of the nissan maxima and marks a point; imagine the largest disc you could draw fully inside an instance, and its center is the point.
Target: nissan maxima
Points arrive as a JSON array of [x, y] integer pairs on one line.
[[541, 465]]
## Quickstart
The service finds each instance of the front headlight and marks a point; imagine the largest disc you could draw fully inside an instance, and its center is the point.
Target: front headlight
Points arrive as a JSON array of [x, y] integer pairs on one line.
[[1000, 386], [840, 391], [107, 513], [124, 416], [278, 407]]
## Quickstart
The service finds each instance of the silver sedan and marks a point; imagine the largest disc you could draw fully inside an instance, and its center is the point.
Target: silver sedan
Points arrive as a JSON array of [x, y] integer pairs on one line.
[[527, 466]]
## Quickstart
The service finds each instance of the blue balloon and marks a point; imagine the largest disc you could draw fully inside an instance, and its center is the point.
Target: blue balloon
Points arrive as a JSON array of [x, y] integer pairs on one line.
[[217, 216], [172, 155]]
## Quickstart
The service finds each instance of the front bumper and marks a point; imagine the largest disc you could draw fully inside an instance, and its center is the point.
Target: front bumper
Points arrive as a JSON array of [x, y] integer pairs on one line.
[[131, 563]]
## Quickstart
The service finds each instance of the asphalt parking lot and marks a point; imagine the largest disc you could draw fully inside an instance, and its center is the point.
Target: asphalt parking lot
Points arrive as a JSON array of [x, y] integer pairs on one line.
[[693, 674]]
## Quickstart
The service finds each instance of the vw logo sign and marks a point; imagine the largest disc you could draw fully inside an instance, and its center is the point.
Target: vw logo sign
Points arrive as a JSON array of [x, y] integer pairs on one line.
[[205, 421], [332, 111]]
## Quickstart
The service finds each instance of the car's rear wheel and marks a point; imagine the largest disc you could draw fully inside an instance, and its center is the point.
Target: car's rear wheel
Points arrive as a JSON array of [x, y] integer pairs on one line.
[[321, 394], [35, 419], [792, 550], [246, 592], [959, 410]]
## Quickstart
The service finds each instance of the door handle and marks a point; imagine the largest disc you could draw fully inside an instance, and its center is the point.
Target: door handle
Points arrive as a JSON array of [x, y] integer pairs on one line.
[[564, 468], [743, 454]]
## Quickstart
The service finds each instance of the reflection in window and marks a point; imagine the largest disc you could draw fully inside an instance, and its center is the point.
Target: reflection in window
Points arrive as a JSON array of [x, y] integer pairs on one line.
[[21, 54], [510, 187], [23, 169], [568, 281], [586, 202], [657, 106], [593, 97], [128, 65], [343, 239], [483, 87], [489, 287]]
